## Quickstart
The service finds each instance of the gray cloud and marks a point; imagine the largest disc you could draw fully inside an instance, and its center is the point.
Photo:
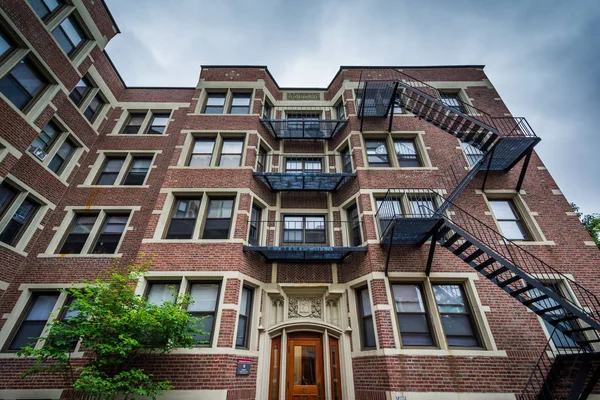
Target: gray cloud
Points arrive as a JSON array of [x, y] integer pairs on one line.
[[542, 56]]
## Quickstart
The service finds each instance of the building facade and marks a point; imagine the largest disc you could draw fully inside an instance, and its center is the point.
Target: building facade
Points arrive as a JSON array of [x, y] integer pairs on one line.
[[393, 235]]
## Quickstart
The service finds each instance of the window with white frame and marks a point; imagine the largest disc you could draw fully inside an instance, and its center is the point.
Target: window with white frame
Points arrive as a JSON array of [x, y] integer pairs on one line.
[[216, 151], [406, 153], [215, 103], [240, 103], [408, 149], [146, 122], [509, 219], [365, 319], [55, 148], [183, 219], [95, 232], [218, 218], [17, 210], [160, 292], [35, 319], [452, 99], [70, 34], [124, 169], [473, 154], [204, 297]]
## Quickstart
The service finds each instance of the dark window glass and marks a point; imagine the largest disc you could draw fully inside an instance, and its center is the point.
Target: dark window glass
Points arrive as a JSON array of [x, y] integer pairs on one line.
[[5, 44], [231, 152], [267, 110], [35, 321], [377, 154], [387, 211], [346, 160], [452, 100], [202, 152], [43, 8], [406, 152], [240, 103], [215, 103], [110, 171], [421, 207], [162, 292], [354, 228], [183, 219], [82, 88], [46, 136], [412, 315], [398, 104], [134, 123], [254, 233], [367, 331], [303, 124], [22, 83], [79, 233], [7, 195], [261, 161], [304, 164], [62, 156], [456, 316], [309, 230], [68, 312], [69, 35], [508, 219], [138, 171], [340, 111], [18, 223], [204, 297], [218, 219], [158, 123], [110, 235], [474, 155], [243, 330], [94, 108]]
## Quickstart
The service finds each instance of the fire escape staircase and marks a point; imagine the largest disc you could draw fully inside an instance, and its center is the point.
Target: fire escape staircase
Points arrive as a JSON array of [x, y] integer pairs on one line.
[[569, 366]]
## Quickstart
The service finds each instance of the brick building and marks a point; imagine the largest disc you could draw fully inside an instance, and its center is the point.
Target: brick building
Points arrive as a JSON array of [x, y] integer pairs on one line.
[[393, 234]]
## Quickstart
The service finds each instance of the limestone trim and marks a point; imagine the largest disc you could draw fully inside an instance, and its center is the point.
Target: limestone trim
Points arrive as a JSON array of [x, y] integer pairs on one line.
[[389, 138], [103, 155], [219, 136]]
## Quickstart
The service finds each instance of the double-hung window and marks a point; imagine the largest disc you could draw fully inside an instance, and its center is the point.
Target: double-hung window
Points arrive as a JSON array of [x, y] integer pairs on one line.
[[204, 297], [36, 318], [240, 103], [54, 148], [304, 230], [78, 235], [303, 164], [62, 156], [69, 35], [397, 108], [87, 236], [158, 293], [354, 227], [138, 171], [387, 211], [231, 152], [509, 220], [340, 111], [158, 123], [112, 172], [140, 122], [215, 103], [377, 153], [81, 90], [93, 109], [18, 223], [365, 315], [243, 329], [473, 154], [43, 8], [110, 234], [421, 207], [411, 310], [202, 152], [183, 218], [218, 218], [452, 100], [455, 313], [254, 233], [134, 123], [221, 151], [23, 83], [6, 44], [346, 160], [46, 137], [406, 153], [7, 196]]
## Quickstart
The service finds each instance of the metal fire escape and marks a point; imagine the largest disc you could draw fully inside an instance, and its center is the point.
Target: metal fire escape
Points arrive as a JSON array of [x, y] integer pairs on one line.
[[569, 366]]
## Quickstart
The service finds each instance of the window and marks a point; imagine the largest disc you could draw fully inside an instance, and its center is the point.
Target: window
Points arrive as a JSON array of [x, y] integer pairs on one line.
[[243, 330], [158, 293], [473, 154], [110, 234], [304, 229], [18, 223], [367, 331], [22, 84], [158, 123], [452, 100], [110, 171], [218, 219], [377, 154], [354, 232], [62, 156], [44, 8], [261, 161], [509, 222], [32, 326], [406, 152], [138, 170], [67, 313], [398, 104], [303, 124], [340, 111], [421, 207], [267, 110], [5, 44], [202, 152], [83, 87], [78, 235], [69, 34], [305, 164], [134, 123], [204, 297], [456, 316], [231, 152], [7, 195], [240, 103], [387, 211], [93, 109], [412, 315], [253, 235], [46, 137], [346, 160], [215, 103], [183, 219]]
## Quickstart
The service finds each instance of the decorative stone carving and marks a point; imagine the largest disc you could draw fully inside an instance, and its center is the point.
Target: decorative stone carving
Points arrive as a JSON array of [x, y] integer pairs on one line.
[[302, 96], [331, 302], [305, 307]]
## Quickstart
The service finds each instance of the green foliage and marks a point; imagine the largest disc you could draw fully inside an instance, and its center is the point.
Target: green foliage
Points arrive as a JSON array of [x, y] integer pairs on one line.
[[591, 223], [115, 328]]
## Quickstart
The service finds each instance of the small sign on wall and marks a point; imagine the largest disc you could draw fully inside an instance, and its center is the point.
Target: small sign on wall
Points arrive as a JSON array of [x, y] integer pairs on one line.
[[243, 366]]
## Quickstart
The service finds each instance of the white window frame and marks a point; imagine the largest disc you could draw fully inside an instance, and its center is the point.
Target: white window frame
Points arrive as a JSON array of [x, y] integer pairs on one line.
[[228, 99], [389, 138], [185, 156]]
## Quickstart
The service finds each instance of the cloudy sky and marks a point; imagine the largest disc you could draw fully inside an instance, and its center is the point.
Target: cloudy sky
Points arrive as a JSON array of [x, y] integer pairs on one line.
[[542, 56]]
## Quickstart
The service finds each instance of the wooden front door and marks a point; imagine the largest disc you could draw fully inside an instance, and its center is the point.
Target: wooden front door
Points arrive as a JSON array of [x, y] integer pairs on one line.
[[304, 370]]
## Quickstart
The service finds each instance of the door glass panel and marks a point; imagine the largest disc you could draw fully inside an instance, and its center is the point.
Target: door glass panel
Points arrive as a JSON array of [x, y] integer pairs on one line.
[[305, 362]]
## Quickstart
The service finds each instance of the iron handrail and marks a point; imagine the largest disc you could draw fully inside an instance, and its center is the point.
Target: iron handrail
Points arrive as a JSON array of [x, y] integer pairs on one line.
[[321, 233], [326, 163]]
